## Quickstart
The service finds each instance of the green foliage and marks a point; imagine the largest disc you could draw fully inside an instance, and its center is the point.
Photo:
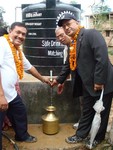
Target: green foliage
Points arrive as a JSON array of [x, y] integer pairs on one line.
[[73, 2], [2, 23], [100, 9], [99, 13], [99, 19]]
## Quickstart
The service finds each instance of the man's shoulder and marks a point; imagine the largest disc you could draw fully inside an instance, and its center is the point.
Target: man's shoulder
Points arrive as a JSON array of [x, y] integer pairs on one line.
[[2, 40], [91, 32]]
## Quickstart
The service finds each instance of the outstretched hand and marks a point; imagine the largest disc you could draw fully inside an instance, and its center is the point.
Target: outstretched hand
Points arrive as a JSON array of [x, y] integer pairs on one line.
[[47, 80], [54, 82], [60, 88]]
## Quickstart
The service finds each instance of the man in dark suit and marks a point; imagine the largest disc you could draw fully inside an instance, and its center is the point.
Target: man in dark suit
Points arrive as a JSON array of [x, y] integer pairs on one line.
[[91, 71], [65, 40]]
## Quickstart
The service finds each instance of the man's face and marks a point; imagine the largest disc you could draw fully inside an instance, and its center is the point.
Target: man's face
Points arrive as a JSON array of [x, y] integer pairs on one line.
[[18, 35], [70, 27], [62, 37]]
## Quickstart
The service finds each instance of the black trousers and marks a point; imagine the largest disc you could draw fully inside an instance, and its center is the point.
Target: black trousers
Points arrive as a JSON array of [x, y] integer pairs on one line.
[[18, 117], [88, 114]]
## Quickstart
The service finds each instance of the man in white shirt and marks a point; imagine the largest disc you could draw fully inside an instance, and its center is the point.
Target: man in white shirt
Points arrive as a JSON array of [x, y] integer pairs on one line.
[[65, 40], [12, 64]]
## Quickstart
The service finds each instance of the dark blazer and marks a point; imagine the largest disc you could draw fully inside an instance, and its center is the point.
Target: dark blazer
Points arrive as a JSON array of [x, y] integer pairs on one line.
[[93, 64]]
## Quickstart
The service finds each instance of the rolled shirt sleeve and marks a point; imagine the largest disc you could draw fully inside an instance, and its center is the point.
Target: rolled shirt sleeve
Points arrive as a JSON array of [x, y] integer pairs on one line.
[[26, 63]]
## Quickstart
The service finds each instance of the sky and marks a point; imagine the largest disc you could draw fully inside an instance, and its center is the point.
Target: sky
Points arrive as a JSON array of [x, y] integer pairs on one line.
[[13, 9]]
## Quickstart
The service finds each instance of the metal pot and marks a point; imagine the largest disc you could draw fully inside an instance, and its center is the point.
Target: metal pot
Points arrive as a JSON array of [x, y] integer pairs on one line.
[[50, 121]]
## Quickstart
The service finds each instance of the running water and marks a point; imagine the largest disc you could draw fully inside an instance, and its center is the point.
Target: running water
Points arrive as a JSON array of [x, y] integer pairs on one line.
[[51, 79]]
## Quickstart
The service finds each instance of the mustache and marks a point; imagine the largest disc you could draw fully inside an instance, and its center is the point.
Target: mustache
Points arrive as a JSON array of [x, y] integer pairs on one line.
[[71, 29]]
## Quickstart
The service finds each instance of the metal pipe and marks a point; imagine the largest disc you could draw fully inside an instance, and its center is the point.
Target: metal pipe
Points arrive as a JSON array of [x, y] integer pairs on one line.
[[10, 140], [16, 12], [50, 3]]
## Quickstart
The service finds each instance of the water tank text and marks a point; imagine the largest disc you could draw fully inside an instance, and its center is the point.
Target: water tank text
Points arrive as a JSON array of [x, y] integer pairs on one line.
[[55, 53], [47, 43], [33, 14], [33, 23]]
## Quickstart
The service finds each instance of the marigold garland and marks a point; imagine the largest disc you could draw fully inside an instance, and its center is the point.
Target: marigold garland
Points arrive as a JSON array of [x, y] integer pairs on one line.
[[72, 52], [18, 59]]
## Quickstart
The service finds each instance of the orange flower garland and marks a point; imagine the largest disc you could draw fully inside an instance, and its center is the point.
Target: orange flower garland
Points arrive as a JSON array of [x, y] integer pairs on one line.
[[18, 59], [72, 52]]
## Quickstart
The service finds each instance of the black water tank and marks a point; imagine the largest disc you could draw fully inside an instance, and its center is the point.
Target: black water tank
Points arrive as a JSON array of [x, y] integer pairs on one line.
[[41, 47]]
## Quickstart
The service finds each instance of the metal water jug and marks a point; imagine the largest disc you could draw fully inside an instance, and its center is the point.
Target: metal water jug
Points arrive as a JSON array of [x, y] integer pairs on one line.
[[50, 121]]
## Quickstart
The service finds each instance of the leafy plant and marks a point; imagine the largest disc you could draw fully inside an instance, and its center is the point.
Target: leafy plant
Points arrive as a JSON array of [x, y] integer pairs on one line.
[[2, 23]]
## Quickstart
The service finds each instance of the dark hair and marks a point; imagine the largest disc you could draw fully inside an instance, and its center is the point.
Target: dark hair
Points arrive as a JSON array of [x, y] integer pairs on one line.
[[3, 31], [20, 24]]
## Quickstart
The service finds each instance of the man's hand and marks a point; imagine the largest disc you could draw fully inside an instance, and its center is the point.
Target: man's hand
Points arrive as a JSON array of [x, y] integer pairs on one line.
[[98, 87], [3, 103], [54, 82], [60, 88], [46, 80]]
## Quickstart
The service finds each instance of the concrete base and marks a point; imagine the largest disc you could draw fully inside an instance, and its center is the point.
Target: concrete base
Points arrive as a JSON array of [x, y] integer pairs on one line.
[[37, 96]]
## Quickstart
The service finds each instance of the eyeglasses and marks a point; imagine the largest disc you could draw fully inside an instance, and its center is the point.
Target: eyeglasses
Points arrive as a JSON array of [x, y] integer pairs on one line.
[[68, 23]]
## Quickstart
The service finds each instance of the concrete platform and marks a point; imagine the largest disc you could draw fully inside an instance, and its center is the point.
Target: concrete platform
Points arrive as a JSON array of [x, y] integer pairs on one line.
[[48, 142]]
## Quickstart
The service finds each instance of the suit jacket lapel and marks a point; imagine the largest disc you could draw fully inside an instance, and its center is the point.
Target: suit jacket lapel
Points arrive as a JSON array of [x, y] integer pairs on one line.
[[79, 40]]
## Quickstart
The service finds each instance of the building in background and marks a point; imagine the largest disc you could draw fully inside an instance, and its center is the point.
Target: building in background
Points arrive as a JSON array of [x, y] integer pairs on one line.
[[104, 25]]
